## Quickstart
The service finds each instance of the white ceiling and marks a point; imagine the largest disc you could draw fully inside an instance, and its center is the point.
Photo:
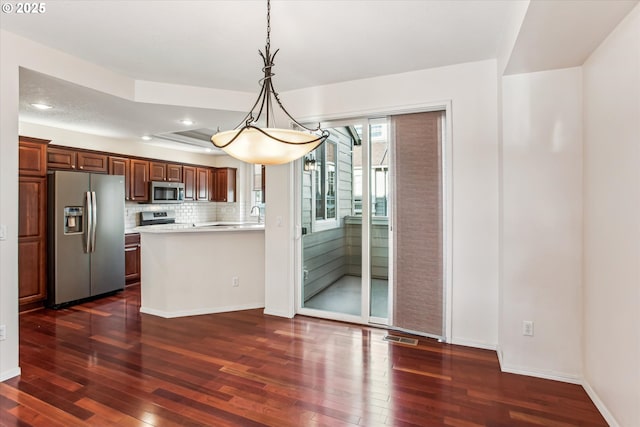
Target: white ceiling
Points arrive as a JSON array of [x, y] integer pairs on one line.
[[215, 44], [562, 34]]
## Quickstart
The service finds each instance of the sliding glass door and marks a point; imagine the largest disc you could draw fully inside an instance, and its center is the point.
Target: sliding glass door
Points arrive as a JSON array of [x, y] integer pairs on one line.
[[344, 219]]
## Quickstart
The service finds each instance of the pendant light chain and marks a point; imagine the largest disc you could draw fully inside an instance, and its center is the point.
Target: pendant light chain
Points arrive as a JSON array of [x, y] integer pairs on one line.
[[268, 24], [249, 134]]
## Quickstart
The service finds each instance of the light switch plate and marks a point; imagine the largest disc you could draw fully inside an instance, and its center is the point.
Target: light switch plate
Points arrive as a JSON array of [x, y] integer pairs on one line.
[[3, 232], [3, 332], [527, 328]]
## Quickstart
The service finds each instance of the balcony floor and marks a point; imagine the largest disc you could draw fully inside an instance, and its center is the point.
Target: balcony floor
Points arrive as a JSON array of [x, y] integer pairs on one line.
[[343, 296]]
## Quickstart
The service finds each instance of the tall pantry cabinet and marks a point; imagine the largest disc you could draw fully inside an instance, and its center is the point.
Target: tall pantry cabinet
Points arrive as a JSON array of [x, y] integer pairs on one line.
[[32, 222]]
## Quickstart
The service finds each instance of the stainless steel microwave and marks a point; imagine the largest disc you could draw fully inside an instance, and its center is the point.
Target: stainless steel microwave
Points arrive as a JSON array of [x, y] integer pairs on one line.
[[167, 192]]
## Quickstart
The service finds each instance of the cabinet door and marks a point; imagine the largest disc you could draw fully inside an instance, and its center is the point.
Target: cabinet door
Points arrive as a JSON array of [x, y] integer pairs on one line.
[[92, 162], [174, 172], [139, 177], [121, 166], [32, 255], [32, 156], [157, 171], [212, 184], [220, 183], [225, 185], [61, 158], [189, 179], [202, 183], [132, 258]]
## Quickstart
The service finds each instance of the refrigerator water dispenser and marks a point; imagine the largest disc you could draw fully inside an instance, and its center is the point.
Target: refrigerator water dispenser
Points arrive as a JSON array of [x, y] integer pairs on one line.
[[73, 219]]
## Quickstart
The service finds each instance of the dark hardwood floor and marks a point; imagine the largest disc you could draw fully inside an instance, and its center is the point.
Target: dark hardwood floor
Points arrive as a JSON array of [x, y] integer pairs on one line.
[[103, 363]]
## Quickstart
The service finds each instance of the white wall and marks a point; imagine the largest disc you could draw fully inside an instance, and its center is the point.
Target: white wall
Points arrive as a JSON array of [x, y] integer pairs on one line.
[[542, 223], [611, 348], [195, 286], [279, 235], [9, 89], [518, 12], [472, 89]]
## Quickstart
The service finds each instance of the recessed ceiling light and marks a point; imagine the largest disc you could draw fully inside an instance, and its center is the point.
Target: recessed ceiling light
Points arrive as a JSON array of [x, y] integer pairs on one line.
[[146, 138], [41, 106], [187, 122]]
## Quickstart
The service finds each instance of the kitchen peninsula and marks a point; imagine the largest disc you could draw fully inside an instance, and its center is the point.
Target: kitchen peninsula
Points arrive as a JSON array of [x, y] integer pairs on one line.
[[200, 269]]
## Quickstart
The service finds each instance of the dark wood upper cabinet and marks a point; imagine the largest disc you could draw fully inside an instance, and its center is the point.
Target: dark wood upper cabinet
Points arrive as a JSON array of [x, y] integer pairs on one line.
[[70, 159], [61, 158], [92, 162], [139, 180], [33, 156], [224, 185], [174, 172], [157, 171], [202, 184], [189, 179], [161, 171], [121, 166]]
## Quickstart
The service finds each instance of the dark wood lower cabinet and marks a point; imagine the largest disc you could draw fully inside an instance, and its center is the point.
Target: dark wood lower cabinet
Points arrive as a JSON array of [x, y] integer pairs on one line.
[[32, 241], [132, 258]]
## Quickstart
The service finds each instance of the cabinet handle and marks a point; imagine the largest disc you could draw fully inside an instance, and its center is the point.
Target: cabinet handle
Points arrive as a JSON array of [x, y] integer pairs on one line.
[[81, 167], [73, 166]]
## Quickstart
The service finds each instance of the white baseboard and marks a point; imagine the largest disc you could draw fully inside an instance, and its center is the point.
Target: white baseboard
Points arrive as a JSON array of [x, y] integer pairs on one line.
[[547, 375], [608, 416], [9, 374], [555, 376], [199, 311], [476, 344], [279, 313]]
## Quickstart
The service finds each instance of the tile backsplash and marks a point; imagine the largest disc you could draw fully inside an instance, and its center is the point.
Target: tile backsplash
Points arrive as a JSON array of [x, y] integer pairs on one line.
[[187, 212]]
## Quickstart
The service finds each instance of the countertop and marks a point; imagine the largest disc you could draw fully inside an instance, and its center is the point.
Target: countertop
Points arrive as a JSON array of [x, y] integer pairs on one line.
[[206, 227]]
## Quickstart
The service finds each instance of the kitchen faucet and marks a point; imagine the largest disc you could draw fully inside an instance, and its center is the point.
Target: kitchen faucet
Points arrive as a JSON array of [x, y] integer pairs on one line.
[[252, 209]]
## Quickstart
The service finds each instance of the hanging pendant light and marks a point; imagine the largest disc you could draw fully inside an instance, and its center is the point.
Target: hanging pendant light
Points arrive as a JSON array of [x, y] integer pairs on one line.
[[269, 145]]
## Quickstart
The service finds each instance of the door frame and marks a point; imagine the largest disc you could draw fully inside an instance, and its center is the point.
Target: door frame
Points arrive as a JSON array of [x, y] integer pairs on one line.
[[447, 215]]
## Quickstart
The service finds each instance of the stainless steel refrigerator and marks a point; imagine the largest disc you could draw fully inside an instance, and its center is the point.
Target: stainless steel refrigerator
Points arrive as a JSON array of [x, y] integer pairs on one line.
[[86, 235]]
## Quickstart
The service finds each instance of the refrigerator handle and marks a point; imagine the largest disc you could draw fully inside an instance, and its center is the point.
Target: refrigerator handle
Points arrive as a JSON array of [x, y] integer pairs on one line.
[[94, 220], [89, 215]]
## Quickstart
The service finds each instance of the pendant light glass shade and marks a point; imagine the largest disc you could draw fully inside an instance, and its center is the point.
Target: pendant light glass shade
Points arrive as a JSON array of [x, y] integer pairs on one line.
[[269, 145], [265, 146]]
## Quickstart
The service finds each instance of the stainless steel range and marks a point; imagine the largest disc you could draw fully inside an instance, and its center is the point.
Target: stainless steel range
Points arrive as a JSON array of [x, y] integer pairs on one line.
[[157, 217]]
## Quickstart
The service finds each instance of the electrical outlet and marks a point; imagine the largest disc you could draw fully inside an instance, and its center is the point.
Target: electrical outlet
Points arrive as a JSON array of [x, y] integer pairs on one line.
[[527, 328], [3, 332], [235, 281]]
